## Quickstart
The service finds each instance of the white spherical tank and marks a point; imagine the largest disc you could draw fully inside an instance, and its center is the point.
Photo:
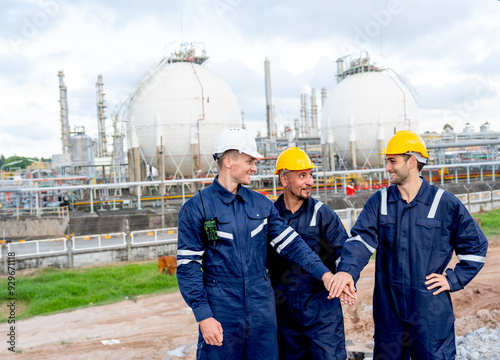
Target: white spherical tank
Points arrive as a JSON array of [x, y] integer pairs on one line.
[[176, 100], [367, 107]]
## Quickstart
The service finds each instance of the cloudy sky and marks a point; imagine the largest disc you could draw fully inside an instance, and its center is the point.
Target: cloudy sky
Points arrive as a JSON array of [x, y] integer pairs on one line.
[[448, 53]]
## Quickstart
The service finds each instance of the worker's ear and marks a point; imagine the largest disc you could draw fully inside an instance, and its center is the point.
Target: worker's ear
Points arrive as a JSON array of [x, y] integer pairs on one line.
[[227, 161], [284, 179]]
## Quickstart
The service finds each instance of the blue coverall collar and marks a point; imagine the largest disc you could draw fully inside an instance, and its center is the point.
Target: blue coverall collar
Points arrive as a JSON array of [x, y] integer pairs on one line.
[[424, 194], [280, 206], [225, 195]]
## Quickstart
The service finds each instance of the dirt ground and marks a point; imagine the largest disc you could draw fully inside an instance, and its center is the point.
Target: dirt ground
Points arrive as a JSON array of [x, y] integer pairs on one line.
[[163, 327]]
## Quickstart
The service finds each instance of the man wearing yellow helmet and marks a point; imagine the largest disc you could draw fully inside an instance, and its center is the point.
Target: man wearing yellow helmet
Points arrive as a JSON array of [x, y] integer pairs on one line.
[[310, 326], [415, 227]]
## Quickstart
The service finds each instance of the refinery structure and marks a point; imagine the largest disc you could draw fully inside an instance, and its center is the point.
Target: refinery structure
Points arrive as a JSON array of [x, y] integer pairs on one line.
[[161, 143]]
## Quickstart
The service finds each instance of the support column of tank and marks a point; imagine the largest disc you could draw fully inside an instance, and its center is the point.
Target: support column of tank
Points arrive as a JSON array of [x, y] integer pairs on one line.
[[331, 149], [144, 170], [159, 146], [137, 163], [160, 156], [136, 158], [380, 139], [194, 159], [352, 142], [130, 159], [130, 156]]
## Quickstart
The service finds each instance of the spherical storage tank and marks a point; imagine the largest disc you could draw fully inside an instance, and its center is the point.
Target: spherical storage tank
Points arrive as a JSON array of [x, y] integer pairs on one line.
[[367, 107], [169, 104]]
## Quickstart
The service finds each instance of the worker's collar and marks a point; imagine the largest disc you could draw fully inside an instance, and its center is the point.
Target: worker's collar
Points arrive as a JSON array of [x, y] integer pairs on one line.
[[424, 194], [281, 207], [225, 195]]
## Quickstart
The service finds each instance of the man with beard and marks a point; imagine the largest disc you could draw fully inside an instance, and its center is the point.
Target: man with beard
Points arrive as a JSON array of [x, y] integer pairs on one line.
[[415, 227], [309, 325]]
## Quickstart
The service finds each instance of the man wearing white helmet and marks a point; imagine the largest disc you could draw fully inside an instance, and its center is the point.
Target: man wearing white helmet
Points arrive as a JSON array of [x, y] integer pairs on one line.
[[224, 232]]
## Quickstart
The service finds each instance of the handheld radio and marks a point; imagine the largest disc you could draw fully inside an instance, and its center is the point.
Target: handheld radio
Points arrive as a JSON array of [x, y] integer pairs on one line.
[[209, 225]]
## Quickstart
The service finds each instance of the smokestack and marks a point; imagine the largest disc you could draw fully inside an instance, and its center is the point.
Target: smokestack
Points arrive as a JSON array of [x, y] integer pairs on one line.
[[303, 114], [323, 97], [314, 114], [63, 100], [271, 132], [101, 146], [297, 128]]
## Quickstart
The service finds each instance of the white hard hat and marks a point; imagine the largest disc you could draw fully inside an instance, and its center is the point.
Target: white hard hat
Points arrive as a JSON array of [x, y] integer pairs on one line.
[[236, 139]]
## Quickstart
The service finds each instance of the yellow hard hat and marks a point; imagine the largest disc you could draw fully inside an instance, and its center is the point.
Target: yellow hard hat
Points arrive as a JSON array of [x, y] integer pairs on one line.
[[406, 142], [293, 159]]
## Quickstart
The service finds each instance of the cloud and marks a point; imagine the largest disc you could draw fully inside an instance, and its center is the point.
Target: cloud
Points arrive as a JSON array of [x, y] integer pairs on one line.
[[447, 51]]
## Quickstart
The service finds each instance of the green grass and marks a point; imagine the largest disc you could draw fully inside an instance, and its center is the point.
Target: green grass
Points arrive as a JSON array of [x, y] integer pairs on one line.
[[490, 222], [47, 291]]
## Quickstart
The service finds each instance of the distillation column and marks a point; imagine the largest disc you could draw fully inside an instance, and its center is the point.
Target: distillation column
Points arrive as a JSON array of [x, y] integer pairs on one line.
[[63, 100], [314, 114], [102, 145]]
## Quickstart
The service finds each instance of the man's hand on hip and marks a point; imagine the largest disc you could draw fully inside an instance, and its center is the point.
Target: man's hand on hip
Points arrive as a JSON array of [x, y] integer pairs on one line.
[[437, 281]]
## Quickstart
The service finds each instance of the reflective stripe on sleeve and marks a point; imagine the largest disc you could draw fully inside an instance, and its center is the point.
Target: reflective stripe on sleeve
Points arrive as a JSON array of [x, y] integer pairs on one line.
[[358, 238], [316, 208], [225, 235], [337, 262], [435, 204], [259, 228], [383, 202], [190, 252], [186, 261], [285, 243], [475, 258], [281, 236]]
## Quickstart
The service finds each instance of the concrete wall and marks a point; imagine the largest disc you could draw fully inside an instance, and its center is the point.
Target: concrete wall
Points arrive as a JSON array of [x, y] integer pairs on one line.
[[27, 228]]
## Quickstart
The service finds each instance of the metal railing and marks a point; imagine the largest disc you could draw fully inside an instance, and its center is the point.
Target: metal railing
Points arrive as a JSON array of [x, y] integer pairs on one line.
[[60, 211], [38, 247], [374, 178], [101, 241], [154, 236]]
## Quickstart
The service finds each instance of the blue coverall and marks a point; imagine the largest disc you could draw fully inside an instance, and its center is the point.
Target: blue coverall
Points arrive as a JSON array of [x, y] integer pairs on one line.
[[309, 325], [234, 285], [412, 241]]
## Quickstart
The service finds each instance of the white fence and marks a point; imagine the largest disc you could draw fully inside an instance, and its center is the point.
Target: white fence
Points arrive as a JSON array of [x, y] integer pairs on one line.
[[38, 247], [100, 241]]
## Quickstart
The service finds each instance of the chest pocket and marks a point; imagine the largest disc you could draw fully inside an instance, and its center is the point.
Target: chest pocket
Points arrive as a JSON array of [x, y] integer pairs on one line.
[[257, 223], [311, 236], [224, 229], [387, 231], [428, 233]]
